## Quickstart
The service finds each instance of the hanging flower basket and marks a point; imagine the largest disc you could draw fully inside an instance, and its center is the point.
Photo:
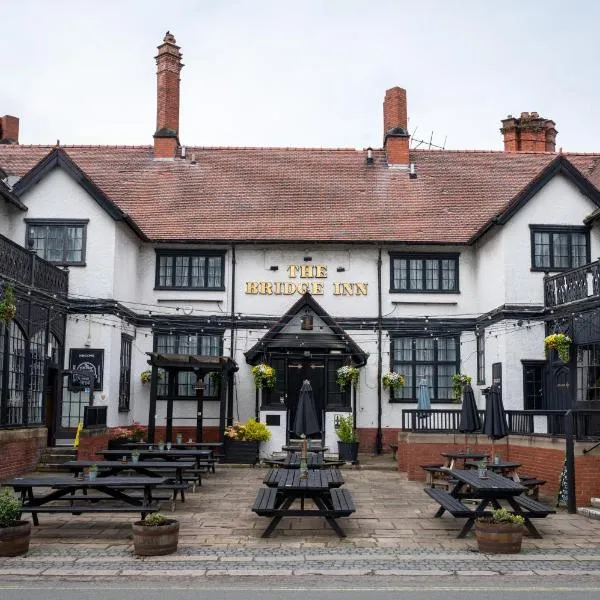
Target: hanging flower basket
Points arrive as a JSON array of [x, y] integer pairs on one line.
[[392, 380], [559, 342], [346, 376], [146, 376], [8, 306], [264, 376], [458, 381]]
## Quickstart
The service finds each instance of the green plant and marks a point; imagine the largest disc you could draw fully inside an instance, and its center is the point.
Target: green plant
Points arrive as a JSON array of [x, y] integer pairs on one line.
[[155, 519], [10, 509], [502, 515], [347, 375], [559, 342], [250, 431], [264, 376], [458, 381], [392, 380], [215, 380], [344, 429], [93, 468], [146, 376], [8, 306]]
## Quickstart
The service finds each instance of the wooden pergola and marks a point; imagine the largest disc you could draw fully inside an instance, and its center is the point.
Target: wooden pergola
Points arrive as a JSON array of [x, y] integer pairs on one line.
[[201, 366]]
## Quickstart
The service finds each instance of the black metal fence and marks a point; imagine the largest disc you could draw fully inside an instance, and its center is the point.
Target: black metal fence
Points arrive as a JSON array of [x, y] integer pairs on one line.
[[520, 422]]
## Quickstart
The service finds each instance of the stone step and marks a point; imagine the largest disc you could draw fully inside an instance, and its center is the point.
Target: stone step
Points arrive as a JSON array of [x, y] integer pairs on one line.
[[589, 512], [595, 502]]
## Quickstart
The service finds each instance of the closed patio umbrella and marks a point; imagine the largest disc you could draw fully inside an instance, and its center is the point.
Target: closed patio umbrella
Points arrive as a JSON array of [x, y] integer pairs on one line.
[[494, 424], [306, 421], [469, 416], [423, 399]]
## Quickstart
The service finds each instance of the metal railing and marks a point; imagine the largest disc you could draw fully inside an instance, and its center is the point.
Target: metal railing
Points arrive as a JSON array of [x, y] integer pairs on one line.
[[572, 285]]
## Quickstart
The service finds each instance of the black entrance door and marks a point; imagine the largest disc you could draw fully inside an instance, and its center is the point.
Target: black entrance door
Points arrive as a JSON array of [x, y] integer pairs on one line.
[[299, 370]]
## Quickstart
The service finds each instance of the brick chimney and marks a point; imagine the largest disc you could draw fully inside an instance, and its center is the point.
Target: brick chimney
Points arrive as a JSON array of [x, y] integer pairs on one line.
[[528, 133], [168, 67], [9, 130], [395, 127]]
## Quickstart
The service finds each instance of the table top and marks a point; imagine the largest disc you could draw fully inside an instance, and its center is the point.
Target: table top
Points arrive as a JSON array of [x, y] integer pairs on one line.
[[464, 454], [141, 464], [198, 453], [310, 447], [182, 446], [316, 480], [58, 482], [493, 484], [501, 465]]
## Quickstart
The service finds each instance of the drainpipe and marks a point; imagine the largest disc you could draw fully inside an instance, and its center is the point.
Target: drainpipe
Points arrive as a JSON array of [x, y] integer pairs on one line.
[[233, 328], [378, 436]]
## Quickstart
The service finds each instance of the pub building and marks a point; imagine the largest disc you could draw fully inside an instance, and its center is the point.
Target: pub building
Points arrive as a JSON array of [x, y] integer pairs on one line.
[[191, 264]]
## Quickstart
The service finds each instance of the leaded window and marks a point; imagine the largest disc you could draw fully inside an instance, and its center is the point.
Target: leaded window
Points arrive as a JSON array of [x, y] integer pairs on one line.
[[60, 242], [424, 273], [433, 360], [37, 364], [16, 375], [480, 338], [555, 248], [125, 373], [202, 270]]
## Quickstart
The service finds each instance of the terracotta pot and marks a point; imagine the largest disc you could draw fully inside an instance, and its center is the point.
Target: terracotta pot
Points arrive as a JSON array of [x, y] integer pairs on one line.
[[155, 540], [499, 538], [14, 541]]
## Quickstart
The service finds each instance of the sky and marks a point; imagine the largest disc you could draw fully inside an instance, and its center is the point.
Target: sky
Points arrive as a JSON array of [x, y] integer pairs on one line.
[[308, 73]]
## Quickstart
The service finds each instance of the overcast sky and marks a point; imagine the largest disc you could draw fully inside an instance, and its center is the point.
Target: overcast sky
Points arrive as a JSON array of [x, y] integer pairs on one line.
[[308, 73]]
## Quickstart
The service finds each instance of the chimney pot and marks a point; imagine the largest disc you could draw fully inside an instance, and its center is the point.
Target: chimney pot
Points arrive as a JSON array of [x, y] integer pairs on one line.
[[529, 133], [9, 130]]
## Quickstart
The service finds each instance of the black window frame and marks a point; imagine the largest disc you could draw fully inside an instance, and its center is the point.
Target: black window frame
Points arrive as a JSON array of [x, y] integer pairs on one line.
[[398, 366], [125, 359], [539, 366], [64, 223], [206, 254], [480, 350], [550, 229], [425, 256]]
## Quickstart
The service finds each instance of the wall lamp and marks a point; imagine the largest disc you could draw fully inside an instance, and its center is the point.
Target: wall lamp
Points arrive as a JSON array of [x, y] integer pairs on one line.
[[341, 269], [274, 268]]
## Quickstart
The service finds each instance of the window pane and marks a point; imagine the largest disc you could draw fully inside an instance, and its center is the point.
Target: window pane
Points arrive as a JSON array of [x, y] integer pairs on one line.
[[424, 349], [560, 250], [165, 270], [54, 244], [74, 244], [214, 271], [403, 350], [432, 274], [541, 250], [197, 271], [181, 271], [448, 274], [210, 345], [578, 249], [444, 382], [416, 274], [447, 349], [400, 274]]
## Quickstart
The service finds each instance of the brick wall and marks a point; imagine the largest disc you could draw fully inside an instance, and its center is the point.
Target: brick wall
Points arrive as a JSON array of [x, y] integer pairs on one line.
[[20, 450], [539, 456], [368, 435]]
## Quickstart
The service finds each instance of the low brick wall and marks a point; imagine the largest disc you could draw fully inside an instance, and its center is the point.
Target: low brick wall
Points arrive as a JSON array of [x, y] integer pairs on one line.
[[90, 441], [539, 456], [20, 450], [368, 435]]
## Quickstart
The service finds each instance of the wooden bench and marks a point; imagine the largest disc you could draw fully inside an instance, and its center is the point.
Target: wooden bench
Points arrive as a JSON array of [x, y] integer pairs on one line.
[[449, 503], [532, 484], [534, 508], [265, 503], [91, 507], [437, 476], [342, 502]]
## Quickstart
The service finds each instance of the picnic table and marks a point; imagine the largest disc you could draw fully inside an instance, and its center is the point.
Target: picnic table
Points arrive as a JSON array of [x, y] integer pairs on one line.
[[285, 486], [490, 490], [149, 468], [66, 489], [437, 473]]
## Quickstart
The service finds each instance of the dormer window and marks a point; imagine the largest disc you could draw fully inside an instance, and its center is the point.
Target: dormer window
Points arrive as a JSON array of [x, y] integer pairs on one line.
[[556, 248], [59, 241]]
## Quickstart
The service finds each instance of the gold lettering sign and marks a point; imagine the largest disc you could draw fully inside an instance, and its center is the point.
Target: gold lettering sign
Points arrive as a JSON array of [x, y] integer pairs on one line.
[[316, 288]]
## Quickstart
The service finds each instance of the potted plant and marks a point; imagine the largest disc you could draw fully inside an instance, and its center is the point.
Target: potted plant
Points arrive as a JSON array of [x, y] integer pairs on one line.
[[155, 535], [392, 380], [146, 376], [179, 438], [14, 533], [499, 533], [264, 376], [8, 306], [458, 381], [347, 375], [347, 438], [559, 342], [242, 441], [92, 472], [135, 456]]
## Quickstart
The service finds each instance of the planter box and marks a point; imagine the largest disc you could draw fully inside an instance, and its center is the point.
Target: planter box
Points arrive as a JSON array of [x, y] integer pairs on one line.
[[348, 451], [241, 453]]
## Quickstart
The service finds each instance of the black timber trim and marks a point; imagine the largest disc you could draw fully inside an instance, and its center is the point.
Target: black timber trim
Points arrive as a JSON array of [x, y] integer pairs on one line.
[[10, 197], [305, 301], [559, 165], [511, 312], [57, 157]]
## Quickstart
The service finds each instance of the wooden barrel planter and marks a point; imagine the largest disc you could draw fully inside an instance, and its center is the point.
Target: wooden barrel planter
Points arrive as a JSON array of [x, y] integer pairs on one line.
[[498, 538], [155, 540], [14, 540]]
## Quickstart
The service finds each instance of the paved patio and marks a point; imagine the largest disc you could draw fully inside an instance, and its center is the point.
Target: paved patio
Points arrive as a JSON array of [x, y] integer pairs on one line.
[[392, 513]]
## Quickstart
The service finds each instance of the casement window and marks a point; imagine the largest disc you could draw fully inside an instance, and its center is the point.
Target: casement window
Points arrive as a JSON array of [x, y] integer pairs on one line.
[[480, 357], [555, 248], [424, 273], [434, 360], [59, 241], [125, 373], [197, 270], [189, 343]]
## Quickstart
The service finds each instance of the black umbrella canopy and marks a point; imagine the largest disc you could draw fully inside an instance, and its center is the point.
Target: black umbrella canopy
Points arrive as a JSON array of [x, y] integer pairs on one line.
[[306, 421], [494, 425], [469, 416]]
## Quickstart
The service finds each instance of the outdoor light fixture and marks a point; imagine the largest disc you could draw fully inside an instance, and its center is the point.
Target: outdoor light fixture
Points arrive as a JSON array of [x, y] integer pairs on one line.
[[274, 268], [341, 269], [369, 156], [306, 322], [307, 258], [199, 387]]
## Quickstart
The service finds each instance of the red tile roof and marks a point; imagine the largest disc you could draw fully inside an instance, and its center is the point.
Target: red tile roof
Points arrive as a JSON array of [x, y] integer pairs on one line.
[[291, 194]]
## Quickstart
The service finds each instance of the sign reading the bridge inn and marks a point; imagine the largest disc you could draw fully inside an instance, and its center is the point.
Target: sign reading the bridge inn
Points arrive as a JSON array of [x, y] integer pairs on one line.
[[314, 273]]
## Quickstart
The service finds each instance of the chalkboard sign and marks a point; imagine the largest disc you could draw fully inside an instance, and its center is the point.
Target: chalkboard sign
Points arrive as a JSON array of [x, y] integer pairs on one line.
[[87, 368]]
